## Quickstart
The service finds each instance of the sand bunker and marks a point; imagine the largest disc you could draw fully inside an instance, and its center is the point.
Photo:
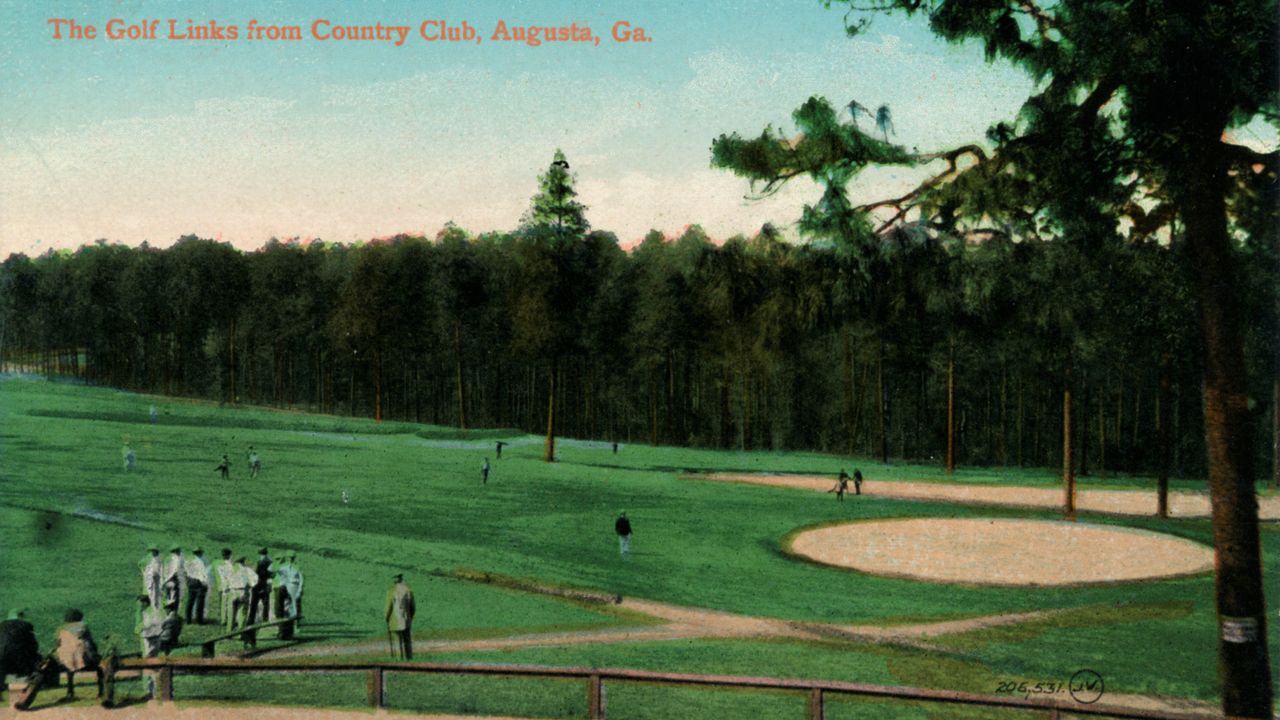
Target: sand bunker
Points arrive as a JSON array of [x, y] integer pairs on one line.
[[1003, 552]]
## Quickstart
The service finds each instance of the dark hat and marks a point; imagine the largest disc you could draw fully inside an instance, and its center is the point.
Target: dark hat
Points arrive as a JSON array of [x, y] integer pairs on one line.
[[226, 552], [153, 548], [241, 560], [198, 551], [175, 548], [398, 576], [262, 551]]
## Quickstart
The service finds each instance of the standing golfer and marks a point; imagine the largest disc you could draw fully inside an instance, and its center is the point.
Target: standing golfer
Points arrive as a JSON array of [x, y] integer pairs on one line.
[[484, 472], [224, 467], [255, 463], [130, 458], [226, 573], [623, 528], [842, 485], [497, 449], [399, 616], [857, 481]]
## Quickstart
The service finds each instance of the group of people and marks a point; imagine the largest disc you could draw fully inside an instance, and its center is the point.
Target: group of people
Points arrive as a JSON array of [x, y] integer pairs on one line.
[[255, 465], [842, 484], [74, 649], [180, 586]]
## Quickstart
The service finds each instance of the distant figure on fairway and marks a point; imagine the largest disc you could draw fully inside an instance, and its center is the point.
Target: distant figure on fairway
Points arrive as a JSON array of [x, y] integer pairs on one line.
[[76, 650], [198, 579], [484, 472], [152, 570], [19, 649], [497, 449], [255, 463], [399, 615], [155, 415], [857, 481], [130, 459], [623, 527], [615, 447], [842, 485], [224, 467]]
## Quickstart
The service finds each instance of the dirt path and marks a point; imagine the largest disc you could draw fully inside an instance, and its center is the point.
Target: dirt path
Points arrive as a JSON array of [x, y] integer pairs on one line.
[[685, 622], [1115, 502]]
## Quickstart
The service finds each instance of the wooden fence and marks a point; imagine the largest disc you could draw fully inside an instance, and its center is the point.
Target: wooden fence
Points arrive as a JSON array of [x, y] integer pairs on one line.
[[815, 691]]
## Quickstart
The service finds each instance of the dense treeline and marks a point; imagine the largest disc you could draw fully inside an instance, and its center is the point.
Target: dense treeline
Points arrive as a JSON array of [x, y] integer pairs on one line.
[[751, 343]]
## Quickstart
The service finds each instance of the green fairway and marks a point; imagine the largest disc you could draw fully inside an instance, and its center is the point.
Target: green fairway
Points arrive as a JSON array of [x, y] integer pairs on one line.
[[359, 501]]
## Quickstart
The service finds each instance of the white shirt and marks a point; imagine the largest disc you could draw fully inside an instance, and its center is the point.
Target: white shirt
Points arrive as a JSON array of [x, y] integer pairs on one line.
[[224, 569], [197, 571]]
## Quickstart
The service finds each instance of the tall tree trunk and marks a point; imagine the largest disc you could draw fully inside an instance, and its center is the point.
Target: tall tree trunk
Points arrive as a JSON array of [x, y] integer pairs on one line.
[[951, 405], [880, 404], [377, 385], [231, 359], [1068, 466], [549, 448], [1243, 663], [847, 366], [1102, 436], [1162, 438], [1084, 424], [1018, 420], [1003, 441], [458, 375]]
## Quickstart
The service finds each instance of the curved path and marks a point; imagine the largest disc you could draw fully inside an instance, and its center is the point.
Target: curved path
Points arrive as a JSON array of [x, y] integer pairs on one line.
[[1114, 502]]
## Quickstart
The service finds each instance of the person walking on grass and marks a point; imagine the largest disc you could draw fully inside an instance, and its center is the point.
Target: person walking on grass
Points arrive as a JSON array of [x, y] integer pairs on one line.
[[130, 459], [497, 449], [255, 463], [224, 467], [400, 610], [622, 526], [484, 472], [857, 481], [842, 485]]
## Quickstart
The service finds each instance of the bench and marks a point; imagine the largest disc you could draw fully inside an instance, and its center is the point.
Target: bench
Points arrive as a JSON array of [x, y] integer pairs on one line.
[[285, 628]]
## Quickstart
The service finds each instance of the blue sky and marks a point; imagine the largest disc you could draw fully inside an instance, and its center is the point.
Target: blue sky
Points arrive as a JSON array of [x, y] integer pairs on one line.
[[243, 140]]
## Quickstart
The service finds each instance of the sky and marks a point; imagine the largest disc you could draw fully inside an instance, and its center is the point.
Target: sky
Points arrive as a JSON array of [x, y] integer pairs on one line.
[[244, 140]]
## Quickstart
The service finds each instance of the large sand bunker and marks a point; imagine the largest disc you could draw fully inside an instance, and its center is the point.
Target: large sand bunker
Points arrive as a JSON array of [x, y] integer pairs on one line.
[[1002, 552]]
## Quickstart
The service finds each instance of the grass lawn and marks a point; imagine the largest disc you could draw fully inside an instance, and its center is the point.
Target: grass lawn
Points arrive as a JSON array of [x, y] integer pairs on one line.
[[360, 500]]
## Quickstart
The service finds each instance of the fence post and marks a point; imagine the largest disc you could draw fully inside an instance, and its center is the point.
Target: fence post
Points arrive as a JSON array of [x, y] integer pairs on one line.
[[595, 698], [164, 680], [375, 687], [815, 704]]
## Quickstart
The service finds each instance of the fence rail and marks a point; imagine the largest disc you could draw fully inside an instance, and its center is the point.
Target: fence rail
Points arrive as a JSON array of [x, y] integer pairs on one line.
[[815, 691]]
